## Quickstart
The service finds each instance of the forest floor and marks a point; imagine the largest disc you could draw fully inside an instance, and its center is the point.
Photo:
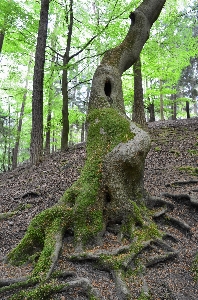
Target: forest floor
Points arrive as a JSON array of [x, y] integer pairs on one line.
[[171, 169]]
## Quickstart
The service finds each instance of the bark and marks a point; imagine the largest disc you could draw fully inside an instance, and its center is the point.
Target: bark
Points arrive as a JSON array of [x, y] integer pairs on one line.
[[151, 109], [66, 58], [138, 115], [187, 109], [161, 102], [2, 35], [36, 149], [174, 107]]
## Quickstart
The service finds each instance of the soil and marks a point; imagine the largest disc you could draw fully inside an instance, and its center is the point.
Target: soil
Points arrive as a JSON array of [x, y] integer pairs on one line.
[[170, 169]]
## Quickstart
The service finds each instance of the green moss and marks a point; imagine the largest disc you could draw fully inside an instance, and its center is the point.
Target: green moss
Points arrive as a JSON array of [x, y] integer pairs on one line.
[[144, 296], [190, 170], [175, 151], [193, 152], [43, 291], [40, 235], [157, 148], [107, 128]]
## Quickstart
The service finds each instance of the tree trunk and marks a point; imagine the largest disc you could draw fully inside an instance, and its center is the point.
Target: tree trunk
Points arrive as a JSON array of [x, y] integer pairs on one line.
[[161, 103], [2, 35], [36, 149], [173, 107], [65, 112], [151, 109], [138, 115], [187, 109]]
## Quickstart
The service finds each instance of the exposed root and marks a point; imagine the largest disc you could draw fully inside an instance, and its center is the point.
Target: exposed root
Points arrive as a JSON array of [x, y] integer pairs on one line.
[[155, 202], [181, 183], [190, 200], [9, 281], [163, 245], [160, 213], [55, 255], [161, 258], [176, 221], [170, 236], [4, 216], [122, 290], [85, 285]]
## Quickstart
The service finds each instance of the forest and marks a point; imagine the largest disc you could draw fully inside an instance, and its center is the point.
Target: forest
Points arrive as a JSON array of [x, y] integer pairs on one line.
[[98, 156], [76, 41]]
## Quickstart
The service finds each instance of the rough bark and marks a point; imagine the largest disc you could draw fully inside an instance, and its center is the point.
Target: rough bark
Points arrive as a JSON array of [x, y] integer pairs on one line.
[[138, 115], [36, 149], [2, 35], [66, 58]]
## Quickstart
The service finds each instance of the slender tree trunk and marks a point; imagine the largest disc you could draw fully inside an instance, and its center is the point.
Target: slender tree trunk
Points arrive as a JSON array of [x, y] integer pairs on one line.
[[187, 109], [65, 111], [173, 107], [36, 149], [151, 109], [16, 146], [49, 108], [138, 115], [161, 102], [2, 35]]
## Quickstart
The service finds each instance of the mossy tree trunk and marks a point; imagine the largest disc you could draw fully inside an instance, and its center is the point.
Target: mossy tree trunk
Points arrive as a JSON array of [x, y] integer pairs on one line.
[[110, 187]]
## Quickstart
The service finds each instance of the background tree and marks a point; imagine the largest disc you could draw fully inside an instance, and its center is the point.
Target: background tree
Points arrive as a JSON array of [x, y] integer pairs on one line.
[[138, 115], [37, 97]]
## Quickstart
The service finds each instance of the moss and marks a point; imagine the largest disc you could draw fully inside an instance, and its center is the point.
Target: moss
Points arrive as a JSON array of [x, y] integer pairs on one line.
[[175, 151], [144, 296], [107, 128], [43, 292], [190, 170], [40, 235], [193, 152], [157, 148]]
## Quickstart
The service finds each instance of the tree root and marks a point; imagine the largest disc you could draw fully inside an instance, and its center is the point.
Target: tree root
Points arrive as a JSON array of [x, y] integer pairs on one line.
[[161, 258], [10, 281], [4, 216], [157, 202], [163, 245], [85, 285], [176, 221], [55, 255], [190, 200], [160, 213], [122, 290], [45, 290], [170, 236], [181, 183]]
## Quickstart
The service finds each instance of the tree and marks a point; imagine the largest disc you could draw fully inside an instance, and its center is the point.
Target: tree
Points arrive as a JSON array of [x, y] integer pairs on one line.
[[110, 190], [36, 149], [138, 104]]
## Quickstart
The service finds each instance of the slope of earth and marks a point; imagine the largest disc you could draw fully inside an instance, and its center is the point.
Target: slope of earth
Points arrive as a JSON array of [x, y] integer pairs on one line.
[[171, 172]]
